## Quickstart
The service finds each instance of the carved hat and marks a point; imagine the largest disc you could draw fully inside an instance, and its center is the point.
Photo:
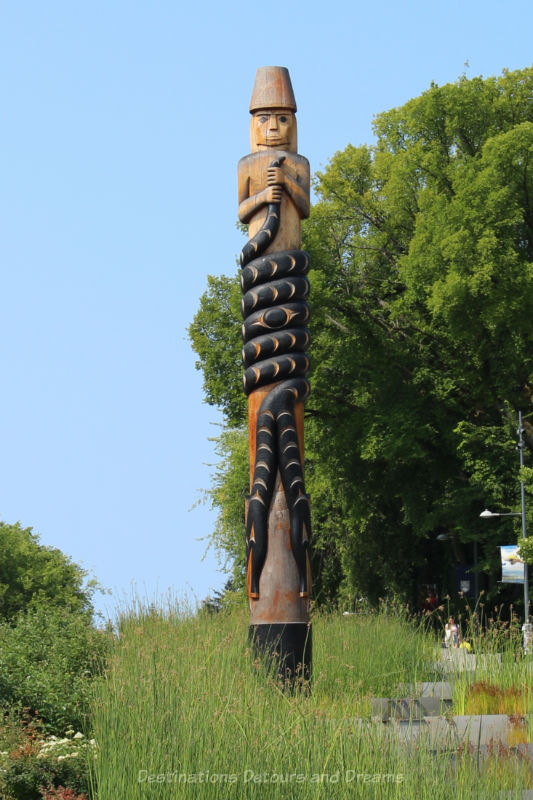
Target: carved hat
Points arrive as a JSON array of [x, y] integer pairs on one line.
[[272, 89]]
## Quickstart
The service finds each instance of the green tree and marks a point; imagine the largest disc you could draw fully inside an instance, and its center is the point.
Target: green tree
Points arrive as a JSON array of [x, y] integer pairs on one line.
[[215, 339], [227, 493], [422, 300], [33, 575]]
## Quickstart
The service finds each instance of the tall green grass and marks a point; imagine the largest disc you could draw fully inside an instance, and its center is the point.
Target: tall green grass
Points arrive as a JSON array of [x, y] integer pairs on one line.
[[186, 711], [502, 681]]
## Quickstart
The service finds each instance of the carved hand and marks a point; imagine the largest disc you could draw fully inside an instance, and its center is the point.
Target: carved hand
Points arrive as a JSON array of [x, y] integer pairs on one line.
[[272, 194], [275, 175]]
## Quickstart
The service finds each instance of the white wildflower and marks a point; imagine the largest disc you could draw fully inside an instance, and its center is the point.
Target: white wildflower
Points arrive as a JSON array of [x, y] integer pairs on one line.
[[78, 735], [48, 745]]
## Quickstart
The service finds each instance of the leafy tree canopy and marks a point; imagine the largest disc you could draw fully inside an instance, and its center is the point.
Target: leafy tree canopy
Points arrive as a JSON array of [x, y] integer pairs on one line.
[[33, 575], [422, 301]]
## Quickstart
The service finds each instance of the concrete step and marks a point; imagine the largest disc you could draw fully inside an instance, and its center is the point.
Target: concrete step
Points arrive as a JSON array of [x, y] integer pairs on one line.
[[408, 708], [459, 660], [487, 733], [442, 689]]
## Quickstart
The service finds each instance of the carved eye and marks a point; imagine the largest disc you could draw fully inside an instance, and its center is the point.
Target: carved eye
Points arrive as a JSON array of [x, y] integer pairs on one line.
[[283, 118], [263, 119]]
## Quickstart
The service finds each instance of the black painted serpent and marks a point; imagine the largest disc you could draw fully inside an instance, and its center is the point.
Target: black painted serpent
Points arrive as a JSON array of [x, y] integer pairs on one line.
[[275, 314]]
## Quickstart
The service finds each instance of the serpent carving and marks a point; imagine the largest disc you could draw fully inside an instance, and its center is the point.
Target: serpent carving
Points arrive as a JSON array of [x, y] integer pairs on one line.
[[275, 337]]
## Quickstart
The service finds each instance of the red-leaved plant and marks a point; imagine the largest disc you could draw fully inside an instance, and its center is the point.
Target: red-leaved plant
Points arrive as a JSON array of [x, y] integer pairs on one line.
[[61, 793]]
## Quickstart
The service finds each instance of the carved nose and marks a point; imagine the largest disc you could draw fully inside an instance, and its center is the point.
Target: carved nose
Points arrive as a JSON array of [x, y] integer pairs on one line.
[[273, 122]]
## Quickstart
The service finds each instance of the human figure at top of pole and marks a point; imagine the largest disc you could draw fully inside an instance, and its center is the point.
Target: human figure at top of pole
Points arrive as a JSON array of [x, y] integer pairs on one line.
[[273, 133]]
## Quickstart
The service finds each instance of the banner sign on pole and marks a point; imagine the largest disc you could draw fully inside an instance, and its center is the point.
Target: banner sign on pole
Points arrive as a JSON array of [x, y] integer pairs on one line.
[[512, 564]]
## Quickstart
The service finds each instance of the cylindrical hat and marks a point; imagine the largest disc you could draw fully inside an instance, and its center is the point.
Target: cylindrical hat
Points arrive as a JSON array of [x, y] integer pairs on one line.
[[272, 89]]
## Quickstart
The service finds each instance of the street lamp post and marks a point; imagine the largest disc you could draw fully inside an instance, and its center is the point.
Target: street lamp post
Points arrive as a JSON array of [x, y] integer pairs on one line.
[[520, 433], [527, 628], [476, 577]]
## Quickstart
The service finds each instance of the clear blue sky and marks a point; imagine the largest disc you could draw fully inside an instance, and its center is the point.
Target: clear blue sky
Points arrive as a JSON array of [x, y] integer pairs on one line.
[[122, 124]]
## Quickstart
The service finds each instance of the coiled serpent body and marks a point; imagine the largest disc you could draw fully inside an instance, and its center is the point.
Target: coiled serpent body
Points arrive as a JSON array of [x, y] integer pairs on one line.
[[275, 337]]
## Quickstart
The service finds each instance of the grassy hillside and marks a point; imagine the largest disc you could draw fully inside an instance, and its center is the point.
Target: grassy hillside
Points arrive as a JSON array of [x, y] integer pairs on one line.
[[185, 711]]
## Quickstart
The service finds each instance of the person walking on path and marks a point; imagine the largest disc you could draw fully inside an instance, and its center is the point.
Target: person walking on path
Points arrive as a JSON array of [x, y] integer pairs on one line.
[[452, 636]]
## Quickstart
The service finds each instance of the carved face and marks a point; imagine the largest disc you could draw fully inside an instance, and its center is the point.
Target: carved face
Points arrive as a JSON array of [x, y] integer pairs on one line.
[[273, 127]]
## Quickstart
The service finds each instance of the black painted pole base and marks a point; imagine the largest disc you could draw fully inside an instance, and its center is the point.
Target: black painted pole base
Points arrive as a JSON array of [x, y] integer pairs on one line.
[[287, 651]]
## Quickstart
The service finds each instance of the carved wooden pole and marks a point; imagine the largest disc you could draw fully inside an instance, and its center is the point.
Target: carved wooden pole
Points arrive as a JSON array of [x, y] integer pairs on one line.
[[273, 198]]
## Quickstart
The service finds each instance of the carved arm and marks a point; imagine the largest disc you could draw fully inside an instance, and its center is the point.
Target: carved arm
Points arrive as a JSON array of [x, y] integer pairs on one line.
[[298, 193]]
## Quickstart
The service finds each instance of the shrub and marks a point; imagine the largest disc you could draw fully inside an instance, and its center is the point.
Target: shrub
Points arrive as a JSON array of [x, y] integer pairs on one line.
[[62, 794], [40, 767], [47, 660]]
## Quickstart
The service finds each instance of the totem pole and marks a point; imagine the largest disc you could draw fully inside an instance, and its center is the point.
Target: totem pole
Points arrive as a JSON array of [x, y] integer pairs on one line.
[[273, 197]]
